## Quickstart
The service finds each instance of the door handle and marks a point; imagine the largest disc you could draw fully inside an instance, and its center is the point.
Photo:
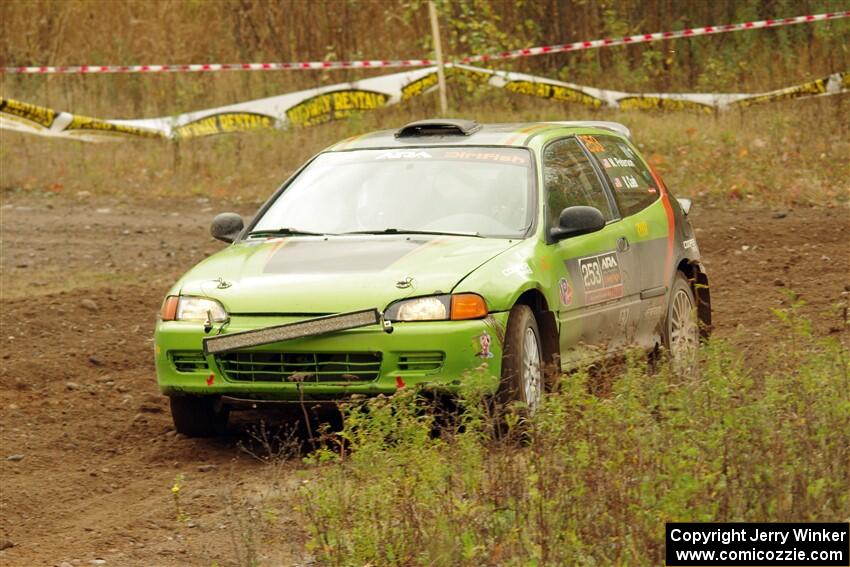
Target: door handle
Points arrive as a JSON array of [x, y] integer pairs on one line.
[[622, 244]]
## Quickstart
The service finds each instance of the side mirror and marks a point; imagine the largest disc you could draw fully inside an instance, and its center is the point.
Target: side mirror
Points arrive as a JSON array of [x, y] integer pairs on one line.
[[685, 204], [578, 220], [226, 227]]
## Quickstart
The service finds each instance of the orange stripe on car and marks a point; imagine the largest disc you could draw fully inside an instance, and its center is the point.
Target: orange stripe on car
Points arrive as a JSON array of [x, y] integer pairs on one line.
[[671, 223], [523, 132]]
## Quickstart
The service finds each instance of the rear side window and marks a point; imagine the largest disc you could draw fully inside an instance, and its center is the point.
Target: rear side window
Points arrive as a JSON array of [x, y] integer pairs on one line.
[[570, 180], [630, 178]]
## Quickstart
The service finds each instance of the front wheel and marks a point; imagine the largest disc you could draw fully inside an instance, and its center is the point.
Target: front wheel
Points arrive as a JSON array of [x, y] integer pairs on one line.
[[199, 416], [681, 329], [522, 360]]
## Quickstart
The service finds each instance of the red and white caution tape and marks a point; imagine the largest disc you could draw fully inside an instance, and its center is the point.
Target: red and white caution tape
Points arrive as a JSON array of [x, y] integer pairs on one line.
[[203, 67], [648, 37], [389, 63]]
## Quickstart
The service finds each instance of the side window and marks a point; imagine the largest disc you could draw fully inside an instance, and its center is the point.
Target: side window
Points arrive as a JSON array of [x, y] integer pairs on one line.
[[633, 184], [569, 180]]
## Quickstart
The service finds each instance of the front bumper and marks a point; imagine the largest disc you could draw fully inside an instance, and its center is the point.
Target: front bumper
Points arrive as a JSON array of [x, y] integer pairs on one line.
[[438, 354]]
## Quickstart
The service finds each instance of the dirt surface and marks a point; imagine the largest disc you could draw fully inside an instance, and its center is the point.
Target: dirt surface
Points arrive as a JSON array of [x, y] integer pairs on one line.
[[88, 454]]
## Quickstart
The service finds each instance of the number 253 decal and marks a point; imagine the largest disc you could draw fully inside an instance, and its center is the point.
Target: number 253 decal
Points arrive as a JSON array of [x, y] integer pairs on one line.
[[601, 277]]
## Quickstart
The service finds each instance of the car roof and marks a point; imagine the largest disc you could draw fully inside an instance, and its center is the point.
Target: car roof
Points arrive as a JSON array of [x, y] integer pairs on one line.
[[469, 133]]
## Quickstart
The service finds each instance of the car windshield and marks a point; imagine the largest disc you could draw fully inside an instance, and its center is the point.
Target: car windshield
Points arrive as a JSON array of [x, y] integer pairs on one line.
[[465, 190]]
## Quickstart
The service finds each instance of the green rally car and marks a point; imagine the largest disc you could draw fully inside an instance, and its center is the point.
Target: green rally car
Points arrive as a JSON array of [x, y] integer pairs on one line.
[[423, 256]]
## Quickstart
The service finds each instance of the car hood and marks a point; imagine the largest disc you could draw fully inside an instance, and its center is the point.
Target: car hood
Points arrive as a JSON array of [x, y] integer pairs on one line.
[[317, 275]]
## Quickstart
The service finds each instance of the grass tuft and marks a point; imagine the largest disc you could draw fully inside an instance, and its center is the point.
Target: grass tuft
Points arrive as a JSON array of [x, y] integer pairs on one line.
[[589, 480]]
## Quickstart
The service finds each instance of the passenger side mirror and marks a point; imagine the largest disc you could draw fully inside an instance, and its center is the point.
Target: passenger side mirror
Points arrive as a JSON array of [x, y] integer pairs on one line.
[[578, 220], [226, 227], [685, 204]]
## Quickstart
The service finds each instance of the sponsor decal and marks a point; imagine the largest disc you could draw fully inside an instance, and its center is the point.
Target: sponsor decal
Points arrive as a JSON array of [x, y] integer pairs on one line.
[[484, 341], [554, 92], [334, 105], [617, 183], [605, 163], [419, 86], [630, 181], [642, 228], [619, 162], [404, 154], [662, 103], [223, 123], [522, 269], [812, 88], [565, 291], [690, 244], [318, 105], [210, 379], [601, 277], [94, 124], [512, 157], [30, 112]]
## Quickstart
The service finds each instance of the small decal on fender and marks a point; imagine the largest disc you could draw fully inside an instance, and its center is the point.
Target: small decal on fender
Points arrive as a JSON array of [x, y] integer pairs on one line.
[[484, 341], [566, 292]]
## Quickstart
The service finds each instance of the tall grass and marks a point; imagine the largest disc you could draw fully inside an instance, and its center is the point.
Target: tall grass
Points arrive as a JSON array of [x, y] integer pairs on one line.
[[589, 480], [787, 153]]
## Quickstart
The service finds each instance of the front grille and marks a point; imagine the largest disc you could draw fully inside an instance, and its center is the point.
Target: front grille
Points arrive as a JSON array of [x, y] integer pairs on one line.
[[189, 361], [250, 366], [421, 361]]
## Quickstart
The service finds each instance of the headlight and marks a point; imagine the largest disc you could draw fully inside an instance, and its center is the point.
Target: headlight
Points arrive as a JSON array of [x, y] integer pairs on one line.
[[191, 308], [438, 308]]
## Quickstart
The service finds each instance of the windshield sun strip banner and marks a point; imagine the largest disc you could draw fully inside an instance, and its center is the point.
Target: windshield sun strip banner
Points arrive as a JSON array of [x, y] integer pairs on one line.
[[411, 63], [333, 102]]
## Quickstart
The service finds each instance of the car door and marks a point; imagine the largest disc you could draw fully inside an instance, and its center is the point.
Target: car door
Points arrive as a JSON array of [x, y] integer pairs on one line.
[[596, 268], [646, 223]]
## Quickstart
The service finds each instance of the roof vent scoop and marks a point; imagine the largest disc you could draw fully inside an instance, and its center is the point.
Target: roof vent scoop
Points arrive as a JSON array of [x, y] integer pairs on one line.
[[438, 127]]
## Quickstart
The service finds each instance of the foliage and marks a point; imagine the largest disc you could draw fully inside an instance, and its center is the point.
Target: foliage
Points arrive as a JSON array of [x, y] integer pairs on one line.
[[590, 479]]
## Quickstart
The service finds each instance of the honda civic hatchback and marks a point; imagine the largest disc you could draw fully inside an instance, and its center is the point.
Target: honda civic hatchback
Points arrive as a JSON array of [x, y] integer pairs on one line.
[[424, 256]]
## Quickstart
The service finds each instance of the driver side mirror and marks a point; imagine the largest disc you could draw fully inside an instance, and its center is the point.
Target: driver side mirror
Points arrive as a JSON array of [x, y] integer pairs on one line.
[[577, 220], [226, 227]]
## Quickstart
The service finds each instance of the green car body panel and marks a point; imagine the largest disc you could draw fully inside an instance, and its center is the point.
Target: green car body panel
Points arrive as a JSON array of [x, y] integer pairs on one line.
[[267, 282]]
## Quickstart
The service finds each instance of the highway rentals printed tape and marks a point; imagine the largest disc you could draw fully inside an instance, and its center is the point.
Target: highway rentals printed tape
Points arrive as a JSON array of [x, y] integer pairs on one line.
[[333, 102], [412, 63]]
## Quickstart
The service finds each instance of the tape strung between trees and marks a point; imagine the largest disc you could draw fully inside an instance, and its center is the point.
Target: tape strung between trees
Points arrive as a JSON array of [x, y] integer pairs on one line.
[[333, 102]]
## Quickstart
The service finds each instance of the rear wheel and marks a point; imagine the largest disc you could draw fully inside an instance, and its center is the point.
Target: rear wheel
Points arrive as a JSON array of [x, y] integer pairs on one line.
[[199, 416], [681, 330], [522, 360]]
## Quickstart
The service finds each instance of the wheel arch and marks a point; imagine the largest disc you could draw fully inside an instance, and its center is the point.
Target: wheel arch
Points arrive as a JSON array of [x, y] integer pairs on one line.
[[698, 279], [548, 324]]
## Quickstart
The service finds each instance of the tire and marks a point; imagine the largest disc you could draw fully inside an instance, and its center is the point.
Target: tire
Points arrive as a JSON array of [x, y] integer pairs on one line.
[[522, 361], [681, 326], [199, 416]]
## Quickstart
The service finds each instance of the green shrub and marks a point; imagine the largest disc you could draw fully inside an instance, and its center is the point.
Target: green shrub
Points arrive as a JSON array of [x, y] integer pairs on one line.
[[590, 479]]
